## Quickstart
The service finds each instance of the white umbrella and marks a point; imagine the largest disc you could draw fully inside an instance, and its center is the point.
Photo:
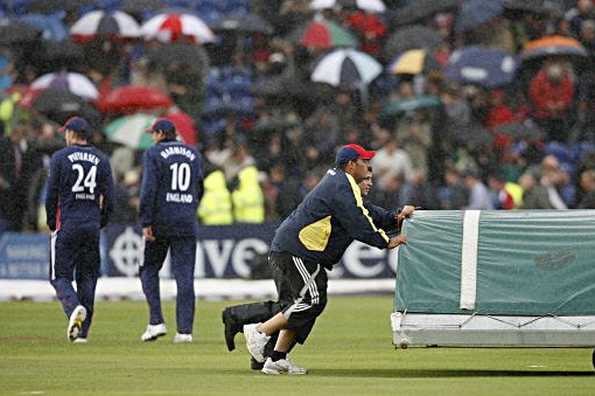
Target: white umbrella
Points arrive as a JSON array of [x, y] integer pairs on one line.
[[116, 23], [367, 5], [346, 67], [75, 83], [131, 130], [171, 27]]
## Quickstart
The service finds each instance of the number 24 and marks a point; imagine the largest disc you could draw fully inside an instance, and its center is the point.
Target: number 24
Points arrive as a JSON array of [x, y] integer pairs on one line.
[[88, 181]]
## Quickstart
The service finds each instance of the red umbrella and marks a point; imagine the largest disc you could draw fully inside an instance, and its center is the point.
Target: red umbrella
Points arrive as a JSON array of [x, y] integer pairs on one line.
[[133, 98], [184, 125]]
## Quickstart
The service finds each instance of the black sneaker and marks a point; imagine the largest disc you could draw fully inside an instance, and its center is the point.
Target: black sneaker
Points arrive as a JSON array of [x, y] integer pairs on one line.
[[255, 365], [231, 329]]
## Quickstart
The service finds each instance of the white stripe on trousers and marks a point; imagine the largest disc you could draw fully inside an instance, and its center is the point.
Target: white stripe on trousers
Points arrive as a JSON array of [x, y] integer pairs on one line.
[[299, 264], [298, 306], [53, 238]]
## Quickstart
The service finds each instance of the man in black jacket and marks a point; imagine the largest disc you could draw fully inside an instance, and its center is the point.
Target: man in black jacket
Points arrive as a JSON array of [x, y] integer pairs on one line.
[[311, 240]]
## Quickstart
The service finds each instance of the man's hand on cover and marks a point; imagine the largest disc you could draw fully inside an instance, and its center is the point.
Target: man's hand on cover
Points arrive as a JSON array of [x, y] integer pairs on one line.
[[396, 241], [407, 211]]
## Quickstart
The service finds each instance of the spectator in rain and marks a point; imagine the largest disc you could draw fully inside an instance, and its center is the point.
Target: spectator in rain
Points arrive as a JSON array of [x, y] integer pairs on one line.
[[552, 93], [535, 196], [389, 162], [453, 196], [576, 16], [479, 196], [587, 184], [501, 198]]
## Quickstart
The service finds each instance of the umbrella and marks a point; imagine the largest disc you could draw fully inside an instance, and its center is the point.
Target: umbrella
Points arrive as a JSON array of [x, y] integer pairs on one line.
[[528, 130], [75, 83], [172, 27], [481, 66], [181, 54], [251, 23], [396, 107], [132, 98], [546, 8], [366, 5], [116, 24], [326, 34], [411, 37], [414, 62], [13, 31], [286, 88], [421, 9], [475, 13], [59, 105], [553, 45], [131, 130], [51, 26], [346, 67]]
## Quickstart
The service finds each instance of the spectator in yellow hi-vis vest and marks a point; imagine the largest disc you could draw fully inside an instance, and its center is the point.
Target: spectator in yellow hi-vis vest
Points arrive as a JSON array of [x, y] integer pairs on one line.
[[215, 207], [247, 198]]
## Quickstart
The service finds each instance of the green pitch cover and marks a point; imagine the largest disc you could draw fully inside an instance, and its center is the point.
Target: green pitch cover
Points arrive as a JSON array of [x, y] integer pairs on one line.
[[533, 263]]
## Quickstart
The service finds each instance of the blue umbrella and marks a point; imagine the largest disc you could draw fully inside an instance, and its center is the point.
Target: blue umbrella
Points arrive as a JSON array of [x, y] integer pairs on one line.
[[481, 66], [51, 26], [474, 13]]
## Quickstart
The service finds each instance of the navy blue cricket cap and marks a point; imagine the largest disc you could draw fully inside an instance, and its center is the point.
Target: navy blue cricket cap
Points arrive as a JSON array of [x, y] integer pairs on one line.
[[163, 125], [352, 152], [78, 125]]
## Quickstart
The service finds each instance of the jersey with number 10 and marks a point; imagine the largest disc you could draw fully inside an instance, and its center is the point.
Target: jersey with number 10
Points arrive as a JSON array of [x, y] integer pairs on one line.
[[80, 188], [171, 189]]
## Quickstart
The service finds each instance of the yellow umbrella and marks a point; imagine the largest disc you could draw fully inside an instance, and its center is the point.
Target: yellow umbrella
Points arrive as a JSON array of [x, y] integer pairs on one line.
[[413, 61]]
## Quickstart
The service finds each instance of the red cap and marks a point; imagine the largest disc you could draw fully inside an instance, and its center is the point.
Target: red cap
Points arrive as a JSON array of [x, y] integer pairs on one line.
[[351, 152]]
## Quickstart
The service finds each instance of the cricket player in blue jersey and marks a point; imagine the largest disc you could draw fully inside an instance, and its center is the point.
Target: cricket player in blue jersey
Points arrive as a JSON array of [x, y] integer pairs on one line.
[[78, 203], [171, 189]]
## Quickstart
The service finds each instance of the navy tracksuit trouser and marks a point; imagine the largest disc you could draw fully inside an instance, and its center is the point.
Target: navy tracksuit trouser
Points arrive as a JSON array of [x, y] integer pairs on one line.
[[75, 250], [182, 257]]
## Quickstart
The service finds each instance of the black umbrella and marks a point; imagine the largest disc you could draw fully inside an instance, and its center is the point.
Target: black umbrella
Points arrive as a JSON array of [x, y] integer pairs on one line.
[[59, 105], [180, 54], [250, 23], [51, 6], [420, 9], [65, 51], [411, 37], [286, 88], [547, 8], [13, 31]]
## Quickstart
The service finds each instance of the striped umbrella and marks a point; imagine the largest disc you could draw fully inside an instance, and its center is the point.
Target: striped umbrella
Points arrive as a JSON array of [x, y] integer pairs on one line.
[[346, 67], [75, 83], [553, 45], [131, 130], [172, 27], [326, 34], [366, 5], [117, 24]]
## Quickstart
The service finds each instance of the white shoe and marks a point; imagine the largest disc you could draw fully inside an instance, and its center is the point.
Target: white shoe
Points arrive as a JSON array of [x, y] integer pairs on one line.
[[255, 341], [153, 332], [80, 341], [75, 323], [182, 338], [282, 366]]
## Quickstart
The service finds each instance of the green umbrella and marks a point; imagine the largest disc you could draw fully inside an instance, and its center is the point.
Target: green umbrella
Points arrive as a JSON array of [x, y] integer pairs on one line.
[[402, 106], [131, 130]]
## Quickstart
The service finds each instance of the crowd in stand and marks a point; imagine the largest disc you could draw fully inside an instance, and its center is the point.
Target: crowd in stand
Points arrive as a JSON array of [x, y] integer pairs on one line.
[[477, 104]]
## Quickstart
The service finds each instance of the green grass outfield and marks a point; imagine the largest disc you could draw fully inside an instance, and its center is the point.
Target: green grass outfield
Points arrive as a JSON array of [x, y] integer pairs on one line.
[[349, 353]]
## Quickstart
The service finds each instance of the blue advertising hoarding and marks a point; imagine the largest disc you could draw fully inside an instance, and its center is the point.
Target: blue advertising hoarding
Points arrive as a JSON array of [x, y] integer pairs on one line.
[[222, 252]]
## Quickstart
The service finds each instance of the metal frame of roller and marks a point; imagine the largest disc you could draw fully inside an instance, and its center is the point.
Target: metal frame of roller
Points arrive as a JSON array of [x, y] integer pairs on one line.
[[496, 279]]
